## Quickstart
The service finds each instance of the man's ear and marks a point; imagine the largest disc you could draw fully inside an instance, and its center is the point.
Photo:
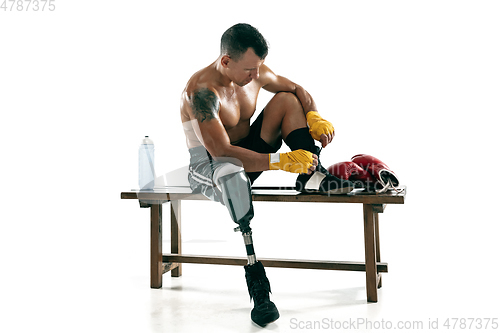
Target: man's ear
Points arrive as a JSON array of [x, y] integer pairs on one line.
[[225, 61]]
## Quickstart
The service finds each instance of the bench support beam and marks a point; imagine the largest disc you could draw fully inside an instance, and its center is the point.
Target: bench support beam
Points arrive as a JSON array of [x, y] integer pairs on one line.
[[284, 263], [167, 267]]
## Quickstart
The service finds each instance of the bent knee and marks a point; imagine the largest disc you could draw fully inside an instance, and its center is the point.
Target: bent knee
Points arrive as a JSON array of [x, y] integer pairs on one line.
[[287, 98]]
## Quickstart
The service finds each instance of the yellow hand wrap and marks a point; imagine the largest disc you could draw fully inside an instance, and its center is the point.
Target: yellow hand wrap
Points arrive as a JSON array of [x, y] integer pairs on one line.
[[318, 125], [297, 161]]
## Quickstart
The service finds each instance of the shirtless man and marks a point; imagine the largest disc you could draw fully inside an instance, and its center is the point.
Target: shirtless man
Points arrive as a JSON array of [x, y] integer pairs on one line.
[[228, 153]]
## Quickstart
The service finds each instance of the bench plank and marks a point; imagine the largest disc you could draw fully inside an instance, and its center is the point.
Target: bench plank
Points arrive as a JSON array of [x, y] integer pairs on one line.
[[279, 194]]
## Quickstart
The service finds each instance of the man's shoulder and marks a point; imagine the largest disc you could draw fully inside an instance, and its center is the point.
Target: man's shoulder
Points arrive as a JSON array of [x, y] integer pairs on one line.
[[266, 75], [200, 94], [203, 80]]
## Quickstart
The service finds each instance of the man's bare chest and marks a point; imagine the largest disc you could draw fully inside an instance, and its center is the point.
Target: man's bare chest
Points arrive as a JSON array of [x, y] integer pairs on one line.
[[237, 107]]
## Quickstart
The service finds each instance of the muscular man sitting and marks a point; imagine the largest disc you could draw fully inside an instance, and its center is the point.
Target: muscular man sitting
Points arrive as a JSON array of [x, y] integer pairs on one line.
[[227, 153]]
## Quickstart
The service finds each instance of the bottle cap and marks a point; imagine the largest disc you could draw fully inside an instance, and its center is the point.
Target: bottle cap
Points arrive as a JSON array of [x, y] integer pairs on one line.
[[147, 141]]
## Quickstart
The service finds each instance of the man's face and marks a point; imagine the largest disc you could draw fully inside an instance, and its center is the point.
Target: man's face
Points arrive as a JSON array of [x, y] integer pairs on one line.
[[246, 68]]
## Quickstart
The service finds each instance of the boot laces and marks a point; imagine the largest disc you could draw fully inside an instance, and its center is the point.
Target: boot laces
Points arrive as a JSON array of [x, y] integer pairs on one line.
[[390, 186], [259, 291]]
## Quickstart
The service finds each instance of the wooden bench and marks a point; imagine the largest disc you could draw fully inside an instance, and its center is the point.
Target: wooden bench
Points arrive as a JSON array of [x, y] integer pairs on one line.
[[162, 263]]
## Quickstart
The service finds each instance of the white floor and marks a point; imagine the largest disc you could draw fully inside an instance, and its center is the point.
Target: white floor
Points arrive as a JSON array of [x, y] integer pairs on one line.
[[438, 269]]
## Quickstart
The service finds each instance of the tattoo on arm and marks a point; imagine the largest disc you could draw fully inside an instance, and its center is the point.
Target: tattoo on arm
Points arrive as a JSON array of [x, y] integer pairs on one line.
[[205, 104]]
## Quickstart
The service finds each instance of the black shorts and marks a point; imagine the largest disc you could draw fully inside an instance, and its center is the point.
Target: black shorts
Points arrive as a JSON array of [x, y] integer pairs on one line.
[[202, 165]]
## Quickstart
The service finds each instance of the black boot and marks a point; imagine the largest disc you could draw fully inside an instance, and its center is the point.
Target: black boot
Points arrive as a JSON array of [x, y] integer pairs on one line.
[[320, 181], [264, 311]]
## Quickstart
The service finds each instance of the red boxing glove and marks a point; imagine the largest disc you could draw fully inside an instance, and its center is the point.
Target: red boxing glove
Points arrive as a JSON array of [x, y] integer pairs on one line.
[[378, 169], [353, 172]]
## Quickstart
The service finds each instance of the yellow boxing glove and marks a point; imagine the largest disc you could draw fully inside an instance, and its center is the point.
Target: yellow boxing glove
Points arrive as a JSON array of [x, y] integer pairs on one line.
[[297, 161], [318, 125]]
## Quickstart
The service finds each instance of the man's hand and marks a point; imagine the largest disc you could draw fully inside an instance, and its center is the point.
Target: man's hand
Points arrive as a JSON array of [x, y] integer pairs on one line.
[[326, 139], [297, 161], [321, 130]]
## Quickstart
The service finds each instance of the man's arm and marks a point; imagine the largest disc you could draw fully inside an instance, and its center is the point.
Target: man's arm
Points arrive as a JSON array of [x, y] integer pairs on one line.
[[205, 107], [275, 83]]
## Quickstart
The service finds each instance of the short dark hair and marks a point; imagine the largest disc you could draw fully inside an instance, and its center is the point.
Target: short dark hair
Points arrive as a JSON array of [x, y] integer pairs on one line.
[[237, 39]]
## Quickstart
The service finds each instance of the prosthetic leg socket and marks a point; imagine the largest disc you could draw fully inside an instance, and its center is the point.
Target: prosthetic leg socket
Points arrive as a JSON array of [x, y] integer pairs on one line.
[[236, 193]]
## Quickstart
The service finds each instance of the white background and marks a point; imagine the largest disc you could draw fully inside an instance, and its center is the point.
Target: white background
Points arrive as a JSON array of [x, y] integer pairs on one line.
[[415, 83]]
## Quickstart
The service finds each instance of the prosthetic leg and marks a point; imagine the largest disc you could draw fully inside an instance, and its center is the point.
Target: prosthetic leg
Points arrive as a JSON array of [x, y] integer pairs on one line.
[[237, 197]]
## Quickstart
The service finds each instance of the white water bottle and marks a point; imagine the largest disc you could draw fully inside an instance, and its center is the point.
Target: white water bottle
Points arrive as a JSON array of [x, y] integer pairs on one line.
[[147, 164]]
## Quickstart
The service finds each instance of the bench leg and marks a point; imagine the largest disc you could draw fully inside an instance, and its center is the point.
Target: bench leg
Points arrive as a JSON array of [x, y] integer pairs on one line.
[[175, 229], [370, 254], [377, 248], [156, 246]]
